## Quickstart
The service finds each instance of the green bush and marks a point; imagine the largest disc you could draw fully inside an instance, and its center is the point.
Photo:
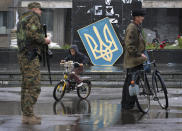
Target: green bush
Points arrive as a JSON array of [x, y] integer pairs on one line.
[[150, 46], [66, 46], [180, 42], [172, 47]]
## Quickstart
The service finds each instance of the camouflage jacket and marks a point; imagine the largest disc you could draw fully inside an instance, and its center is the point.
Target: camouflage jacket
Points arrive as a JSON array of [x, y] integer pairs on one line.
[[30, 33]]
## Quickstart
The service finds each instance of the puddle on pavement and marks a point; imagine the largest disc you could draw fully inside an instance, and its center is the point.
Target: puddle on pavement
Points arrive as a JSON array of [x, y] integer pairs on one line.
[[175, 95], [14, 108], [94, 114], [98, 114]]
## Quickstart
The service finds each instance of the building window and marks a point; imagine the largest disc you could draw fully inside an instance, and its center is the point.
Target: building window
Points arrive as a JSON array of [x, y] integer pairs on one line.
[[47, 18], [3, 22]]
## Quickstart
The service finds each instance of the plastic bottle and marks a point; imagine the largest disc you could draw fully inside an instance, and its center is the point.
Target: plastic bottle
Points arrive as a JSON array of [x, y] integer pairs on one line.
[[133, 90]]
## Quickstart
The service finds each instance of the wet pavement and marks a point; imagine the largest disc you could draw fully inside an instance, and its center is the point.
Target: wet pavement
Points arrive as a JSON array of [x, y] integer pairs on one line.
[[100, 112], [169, 67]]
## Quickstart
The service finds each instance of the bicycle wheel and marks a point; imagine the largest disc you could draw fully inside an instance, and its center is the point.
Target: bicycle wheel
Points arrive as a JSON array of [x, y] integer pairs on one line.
[[143, 98], [83, 106], [160, 90], [59, 108], [59, 91], [84, 91]]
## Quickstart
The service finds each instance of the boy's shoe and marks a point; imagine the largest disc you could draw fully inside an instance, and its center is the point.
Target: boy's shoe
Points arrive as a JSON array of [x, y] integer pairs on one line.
[[30, 120], [79, 85]]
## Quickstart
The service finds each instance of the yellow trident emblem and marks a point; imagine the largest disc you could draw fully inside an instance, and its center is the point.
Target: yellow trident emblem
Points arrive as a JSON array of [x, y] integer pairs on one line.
[[101, 42], [105, 50]]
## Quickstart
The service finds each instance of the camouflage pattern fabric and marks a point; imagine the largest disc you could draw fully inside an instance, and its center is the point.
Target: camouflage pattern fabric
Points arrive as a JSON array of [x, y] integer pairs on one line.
[[29, 32], [34, 5], [29, 36], [30, 88]]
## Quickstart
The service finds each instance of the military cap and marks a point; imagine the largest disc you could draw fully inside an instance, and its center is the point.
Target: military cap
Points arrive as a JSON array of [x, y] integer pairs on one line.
[[34, 5], [138, 12]]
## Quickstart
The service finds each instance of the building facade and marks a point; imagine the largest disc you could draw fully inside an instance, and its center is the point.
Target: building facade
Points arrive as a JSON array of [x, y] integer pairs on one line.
[[165, 17], [65, 17], [56, 14], [4, 4]]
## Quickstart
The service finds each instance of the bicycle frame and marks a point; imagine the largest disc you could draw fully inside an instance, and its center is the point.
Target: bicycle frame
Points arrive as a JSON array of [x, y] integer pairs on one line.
[[155, 70], [68, 68], [148, 89], [68, 84]]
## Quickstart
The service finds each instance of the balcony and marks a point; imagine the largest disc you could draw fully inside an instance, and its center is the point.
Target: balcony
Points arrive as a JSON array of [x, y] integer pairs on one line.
[[162, 4], [50, 3]]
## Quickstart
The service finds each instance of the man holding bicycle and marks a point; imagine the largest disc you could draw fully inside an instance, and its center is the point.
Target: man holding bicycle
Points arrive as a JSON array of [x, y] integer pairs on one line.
[[134, 54]]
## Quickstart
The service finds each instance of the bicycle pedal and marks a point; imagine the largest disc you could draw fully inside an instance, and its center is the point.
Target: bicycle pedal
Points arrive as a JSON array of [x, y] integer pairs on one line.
[[156, 98]]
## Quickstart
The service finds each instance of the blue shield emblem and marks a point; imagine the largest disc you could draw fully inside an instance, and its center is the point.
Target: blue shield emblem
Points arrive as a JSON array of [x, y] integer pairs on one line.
[[101, 42]]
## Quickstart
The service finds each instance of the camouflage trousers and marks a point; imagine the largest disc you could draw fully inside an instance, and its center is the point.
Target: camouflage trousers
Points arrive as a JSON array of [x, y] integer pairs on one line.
[[30, 87]]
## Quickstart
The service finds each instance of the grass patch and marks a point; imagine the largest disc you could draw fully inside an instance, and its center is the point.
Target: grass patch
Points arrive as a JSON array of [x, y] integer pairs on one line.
[[172, 47], [151, 46], [66, 46]]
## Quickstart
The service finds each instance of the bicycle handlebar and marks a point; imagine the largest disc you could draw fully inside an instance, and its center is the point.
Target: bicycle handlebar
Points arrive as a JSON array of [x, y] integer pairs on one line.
[[150, 50], [70, 64], [150, 63]]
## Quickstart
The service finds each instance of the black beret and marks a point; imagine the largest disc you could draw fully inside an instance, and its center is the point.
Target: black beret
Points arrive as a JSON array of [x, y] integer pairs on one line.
[[138, 12]]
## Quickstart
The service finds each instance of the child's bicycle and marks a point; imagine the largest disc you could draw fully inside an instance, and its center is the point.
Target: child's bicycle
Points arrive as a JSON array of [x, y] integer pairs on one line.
[[66, 84]]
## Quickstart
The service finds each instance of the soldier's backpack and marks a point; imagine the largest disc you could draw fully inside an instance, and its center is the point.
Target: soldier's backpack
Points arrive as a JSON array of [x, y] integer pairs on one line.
[[21, 36]]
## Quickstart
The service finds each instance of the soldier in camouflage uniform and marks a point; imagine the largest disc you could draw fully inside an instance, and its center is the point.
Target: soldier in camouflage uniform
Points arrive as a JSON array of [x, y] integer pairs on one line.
[[30, 39]]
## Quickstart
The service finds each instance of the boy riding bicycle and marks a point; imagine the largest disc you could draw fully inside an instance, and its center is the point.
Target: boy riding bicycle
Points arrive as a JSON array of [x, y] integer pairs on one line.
[[79, 59]]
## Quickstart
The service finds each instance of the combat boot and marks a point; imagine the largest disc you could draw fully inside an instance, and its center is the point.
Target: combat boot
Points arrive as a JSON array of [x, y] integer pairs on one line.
[[30, 120]]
